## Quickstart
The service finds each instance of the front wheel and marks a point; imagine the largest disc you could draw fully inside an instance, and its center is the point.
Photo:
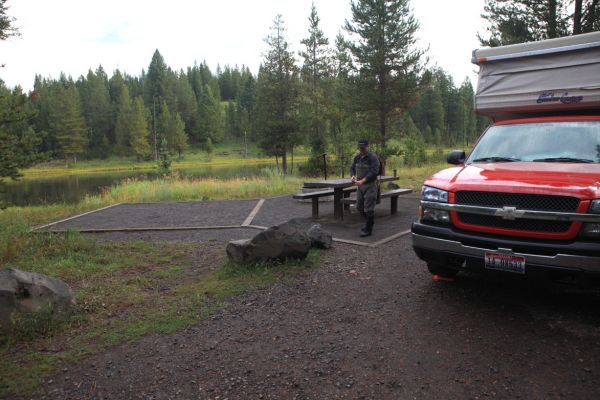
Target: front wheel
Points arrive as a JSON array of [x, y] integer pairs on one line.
[[441, 270]]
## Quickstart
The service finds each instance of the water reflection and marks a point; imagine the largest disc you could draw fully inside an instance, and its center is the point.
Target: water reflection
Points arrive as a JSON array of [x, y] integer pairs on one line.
[[72, 188]]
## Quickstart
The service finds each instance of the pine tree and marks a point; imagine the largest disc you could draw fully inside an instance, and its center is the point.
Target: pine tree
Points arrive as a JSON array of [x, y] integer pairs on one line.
[[41, 122], [210, 118], [18, 141], [231, 127], [430, 110], [172, 128], [97, 111], [163, 123], [116, 83], [123, 123], [247, 106], [7, 23], [315, 73], [389, 66], [469, 118], [341, 117], [66, 120], [187, 105], [518, 21], [139, 132], [227, 88], [179, 142], [155, 83], [277, 96], [159, 84]]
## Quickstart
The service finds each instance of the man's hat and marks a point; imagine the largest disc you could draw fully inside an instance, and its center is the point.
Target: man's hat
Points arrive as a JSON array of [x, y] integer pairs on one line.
[[363, 143]]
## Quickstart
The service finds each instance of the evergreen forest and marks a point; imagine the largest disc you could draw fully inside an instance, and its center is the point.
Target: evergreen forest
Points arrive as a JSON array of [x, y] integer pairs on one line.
[[372, 81]]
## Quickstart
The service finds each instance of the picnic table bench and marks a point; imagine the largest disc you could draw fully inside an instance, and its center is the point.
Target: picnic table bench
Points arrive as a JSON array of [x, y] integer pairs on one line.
[[341, 189], [315, 196], [392, 194]]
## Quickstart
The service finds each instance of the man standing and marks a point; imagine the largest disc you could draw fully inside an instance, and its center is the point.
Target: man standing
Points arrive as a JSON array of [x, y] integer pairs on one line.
[[364, 171]]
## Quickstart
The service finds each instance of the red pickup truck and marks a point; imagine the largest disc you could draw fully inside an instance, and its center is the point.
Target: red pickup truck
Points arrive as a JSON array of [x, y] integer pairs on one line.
[[527, 198]]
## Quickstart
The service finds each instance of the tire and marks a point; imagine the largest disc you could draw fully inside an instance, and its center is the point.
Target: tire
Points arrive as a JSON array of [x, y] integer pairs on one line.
[[441, 270]]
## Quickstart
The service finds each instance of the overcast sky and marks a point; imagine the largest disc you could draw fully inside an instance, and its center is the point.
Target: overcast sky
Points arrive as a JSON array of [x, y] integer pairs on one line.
[[75, 35]]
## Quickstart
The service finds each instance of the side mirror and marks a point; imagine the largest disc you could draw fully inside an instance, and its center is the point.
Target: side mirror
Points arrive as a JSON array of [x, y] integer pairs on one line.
[[456, 157]]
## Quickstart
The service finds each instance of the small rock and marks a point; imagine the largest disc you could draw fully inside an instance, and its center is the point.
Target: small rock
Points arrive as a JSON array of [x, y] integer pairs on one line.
[[320, 238]]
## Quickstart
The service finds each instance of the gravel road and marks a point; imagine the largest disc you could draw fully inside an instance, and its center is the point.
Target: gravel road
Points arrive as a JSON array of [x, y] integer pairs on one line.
[[370, 323]]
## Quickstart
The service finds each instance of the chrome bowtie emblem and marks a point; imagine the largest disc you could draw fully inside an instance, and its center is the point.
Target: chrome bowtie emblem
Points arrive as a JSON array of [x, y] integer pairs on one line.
[[509, 213]]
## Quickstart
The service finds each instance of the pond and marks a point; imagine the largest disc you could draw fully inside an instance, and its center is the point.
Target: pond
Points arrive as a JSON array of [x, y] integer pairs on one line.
[[72, 188]]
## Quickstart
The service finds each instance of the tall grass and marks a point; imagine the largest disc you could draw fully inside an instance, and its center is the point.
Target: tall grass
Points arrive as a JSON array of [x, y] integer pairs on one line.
[[200, 189]]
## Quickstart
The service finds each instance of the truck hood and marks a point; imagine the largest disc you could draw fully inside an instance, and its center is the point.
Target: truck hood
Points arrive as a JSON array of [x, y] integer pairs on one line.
[[566, 179]]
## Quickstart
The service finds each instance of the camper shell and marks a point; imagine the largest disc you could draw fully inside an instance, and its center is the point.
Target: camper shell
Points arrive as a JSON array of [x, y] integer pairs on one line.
[[539, 78]]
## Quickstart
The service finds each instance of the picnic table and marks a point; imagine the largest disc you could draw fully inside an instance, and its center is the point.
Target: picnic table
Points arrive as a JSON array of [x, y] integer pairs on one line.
[[338, 186]]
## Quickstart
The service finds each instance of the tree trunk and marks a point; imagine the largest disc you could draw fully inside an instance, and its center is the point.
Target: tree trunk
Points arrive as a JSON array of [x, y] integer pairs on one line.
[[292, 170], [284, 162], [382, 131], [552, 22], [577, 17]]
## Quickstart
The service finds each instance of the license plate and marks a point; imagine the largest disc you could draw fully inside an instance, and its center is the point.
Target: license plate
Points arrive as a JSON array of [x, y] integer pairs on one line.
[[505, 262]]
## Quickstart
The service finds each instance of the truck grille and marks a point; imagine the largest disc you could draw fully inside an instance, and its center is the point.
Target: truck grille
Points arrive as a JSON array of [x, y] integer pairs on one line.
[[532, 225], [520, 201]]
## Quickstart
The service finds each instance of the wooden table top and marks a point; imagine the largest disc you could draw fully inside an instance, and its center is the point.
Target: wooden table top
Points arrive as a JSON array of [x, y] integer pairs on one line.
[[342, 183]]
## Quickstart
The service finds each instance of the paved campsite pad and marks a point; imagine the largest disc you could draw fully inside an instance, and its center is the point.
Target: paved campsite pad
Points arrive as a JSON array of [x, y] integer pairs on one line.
[[156, 215], [368, 324], [273, 211]]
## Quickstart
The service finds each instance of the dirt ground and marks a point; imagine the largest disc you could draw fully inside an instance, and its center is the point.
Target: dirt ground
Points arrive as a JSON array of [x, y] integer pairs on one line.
[[370, 323]]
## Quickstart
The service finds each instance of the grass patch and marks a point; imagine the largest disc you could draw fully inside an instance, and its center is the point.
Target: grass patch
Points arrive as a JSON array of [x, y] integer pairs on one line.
[[201, 189], [413, 177], [124, 291]]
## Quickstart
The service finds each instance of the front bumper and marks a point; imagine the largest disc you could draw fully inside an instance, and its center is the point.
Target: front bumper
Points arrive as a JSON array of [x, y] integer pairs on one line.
[[451, 246]]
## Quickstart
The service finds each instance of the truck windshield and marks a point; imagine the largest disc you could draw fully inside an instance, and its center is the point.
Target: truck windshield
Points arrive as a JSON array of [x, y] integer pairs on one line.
[[565, 141]]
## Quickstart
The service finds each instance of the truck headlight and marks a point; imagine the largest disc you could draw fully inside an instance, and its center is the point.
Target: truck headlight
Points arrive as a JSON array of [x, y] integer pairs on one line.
[[592, 230], [430, 214], [433, 194]]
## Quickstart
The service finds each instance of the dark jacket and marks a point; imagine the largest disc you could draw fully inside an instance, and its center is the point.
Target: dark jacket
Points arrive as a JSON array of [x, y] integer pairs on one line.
[[371, 160]]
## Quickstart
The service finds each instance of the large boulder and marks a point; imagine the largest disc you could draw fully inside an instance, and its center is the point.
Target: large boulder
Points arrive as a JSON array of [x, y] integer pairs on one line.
[[319, 237], [29, 292], [288, 240], [292, 239]]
